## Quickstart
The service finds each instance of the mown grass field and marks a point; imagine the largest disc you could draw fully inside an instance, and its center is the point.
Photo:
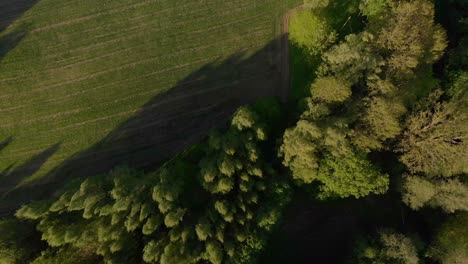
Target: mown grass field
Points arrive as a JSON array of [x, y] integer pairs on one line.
[[83, 67]]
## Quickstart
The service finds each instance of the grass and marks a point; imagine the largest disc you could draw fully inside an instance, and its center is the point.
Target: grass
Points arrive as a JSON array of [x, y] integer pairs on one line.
[[84, 67], [303, 65]]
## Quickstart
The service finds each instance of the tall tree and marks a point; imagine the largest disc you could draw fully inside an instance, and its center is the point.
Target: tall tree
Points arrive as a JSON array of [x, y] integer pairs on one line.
[[18, 241], [213, 204], [387, 247], [449, 194], [450, 245], [435, 142]]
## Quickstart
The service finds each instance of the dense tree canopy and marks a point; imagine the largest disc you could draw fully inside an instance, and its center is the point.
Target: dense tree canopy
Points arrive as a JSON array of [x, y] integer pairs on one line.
[[18, 242], [217, 210], [387, 247], [316, 40], [450, 245], [434, 145], [450, 195], [372, 112], [435, 140]]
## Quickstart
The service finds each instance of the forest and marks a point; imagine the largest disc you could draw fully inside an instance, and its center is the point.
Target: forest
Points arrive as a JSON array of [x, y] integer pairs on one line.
[[378, 108]]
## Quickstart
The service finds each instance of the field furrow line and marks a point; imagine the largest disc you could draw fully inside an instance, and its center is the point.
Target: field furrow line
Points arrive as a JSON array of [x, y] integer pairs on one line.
[[110, 12], [126, 38], [200, 111], [102, 44], [45, 133], [70, 95], [151, 23], [91, 16], [97, 74], [94, 58]]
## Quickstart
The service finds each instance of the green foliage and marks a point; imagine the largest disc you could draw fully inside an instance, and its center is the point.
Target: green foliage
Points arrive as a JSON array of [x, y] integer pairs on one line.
[[450, 245], [18, 243], [80, 54], [387, 66], [330, 90], [323, 153], [66, 255], [365, 86], [129, 217], [214, 252], [216, 204], [451, 195], [311, 32], [388, 247], [353, 59], [173, 218], [34, 210], [379, 122], [375, 8], [299, 150], [435, 140], [411, 37], [153, 251], [433, 148], [316, 4], [352, 175]]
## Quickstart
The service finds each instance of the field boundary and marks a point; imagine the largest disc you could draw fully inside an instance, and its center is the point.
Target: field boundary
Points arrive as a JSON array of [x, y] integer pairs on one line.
[[160, 131], [283, 43]]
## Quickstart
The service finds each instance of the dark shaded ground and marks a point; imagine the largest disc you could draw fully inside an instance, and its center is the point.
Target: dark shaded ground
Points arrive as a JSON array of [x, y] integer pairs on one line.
[[10, 10], [9, 41], [449, 15], [9, 177], [325, 232], [168, 124]]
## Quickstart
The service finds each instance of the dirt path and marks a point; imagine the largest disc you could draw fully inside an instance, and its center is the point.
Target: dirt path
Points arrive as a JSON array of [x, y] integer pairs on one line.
[[285, 56]]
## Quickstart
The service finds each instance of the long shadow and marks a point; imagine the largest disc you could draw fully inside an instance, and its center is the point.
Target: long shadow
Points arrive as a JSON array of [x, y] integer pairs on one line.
[[172, 121], [6, 142], [317, 230], [10, 177], [10, 10], [9, 41]]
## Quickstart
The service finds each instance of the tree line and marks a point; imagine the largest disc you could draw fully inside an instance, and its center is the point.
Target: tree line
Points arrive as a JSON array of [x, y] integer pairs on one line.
[[373, 91]]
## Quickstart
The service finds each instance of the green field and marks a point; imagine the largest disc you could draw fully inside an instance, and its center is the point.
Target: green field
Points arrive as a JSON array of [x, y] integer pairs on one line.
[[84, 67]]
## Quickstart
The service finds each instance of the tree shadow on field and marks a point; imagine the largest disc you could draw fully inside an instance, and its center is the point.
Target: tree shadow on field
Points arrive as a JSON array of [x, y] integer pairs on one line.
[[6, 142], [9, 41], [10, 178], [172, 121], [10, 10]]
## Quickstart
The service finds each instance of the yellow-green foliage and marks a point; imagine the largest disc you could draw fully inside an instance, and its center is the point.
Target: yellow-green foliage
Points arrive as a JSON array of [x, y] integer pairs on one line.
[[351, 175], [435, 140], [387, 247], [450, 195], [411, 36], [330, 90], [450, 245], [311, 31], [211, 206]]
